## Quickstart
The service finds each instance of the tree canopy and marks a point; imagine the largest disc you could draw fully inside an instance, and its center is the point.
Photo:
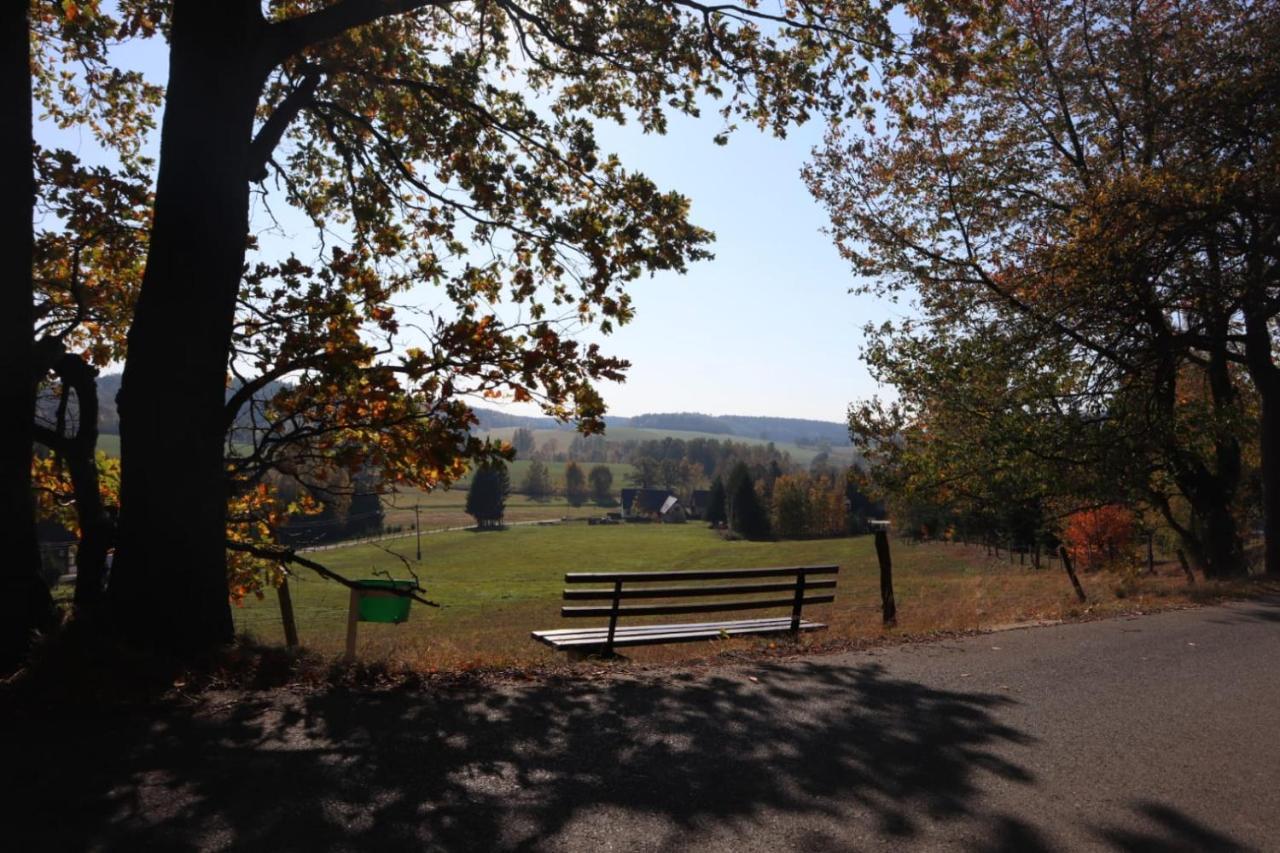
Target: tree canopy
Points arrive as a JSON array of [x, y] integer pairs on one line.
[[1085, 200]]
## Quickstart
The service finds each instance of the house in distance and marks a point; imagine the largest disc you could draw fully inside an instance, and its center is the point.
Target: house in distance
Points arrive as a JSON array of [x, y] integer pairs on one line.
[[652, 505]]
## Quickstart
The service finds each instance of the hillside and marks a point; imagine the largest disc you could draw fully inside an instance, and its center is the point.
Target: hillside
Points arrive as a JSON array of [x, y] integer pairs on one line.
[[801, 431], [801, 438]]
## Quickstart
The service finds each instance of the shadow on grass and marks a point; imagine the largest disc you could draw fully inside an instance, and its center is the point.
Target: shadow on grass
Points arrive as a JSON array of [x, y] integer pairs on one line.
[[832, 751]]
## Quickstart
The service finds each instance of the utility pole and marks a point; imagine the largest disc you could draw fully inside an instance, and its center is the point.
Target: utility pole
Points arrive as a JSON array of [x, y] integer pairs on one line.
[[417, 529]]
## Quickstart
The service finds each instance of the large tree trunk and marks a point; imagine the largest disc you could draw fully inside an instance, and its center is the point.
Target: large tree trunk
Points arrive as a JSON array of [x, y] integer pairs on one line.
[[25, 604], [169, 583], [1211, 486], [1271, 474], [78, 453], [1266, 377]]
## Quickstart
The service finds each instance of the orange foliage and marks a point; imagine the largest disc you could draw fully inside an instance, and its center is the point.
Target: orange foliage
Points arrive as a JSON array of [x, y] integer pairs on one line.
[[1099, 536]]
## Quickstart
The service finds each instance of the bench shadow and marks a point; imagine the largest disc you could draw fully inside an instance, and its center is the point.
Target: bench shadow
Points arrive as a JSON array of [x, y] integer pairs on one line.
[[847, 749]]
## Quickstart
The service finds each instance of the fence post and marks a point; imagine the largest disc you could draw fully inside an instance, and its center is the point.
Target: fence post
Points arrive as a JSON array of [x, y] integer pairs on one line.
[[1151, 553], [888, 607], [1071, 572], [286, 613]]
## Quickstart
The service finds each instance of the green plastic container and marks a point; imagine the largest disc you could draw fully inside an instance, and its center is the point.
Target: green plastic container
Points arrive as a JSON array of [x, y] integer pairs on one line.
[[385, 608]]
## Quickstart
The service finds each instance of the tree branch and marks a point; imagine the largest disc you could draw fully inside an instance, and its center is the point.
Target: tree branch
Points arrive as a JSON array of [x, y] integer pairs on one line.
[[288, 555], [277, 123], [288, 37]]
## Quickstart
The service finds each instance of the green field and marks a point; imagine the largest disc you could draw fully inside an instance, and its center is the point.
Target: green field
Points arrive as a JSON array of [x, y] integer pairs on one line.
[[496, 587]]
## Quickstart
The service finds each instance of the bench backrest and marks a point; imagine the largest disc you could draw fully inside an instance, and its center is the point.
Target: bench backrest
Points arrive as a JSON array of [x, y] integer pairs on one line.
[[785, 587]]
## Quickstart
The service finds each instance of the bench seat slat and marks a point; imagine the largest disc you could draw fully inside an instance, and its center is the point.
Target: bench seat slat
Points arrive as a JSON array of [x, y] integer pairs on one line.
[[701, 607], [657, 634], [600, 630], [691, 591], [698, 575]]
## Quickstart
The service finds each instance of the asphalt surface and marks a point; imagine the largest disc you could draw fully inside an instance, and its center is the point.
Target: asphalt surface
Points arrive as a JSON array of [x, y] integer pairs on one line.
[[1157, 733]]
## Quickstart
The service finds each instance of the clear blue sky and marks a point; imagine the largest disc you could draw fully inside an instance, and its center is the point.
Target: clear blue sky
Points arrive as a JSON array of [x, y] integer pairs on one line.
[[766, 328]]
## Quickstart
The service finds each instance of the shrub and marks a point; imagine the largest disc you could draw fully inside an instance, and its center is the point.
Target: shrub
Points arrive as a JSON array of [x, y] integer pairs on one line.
[[1100, 536]]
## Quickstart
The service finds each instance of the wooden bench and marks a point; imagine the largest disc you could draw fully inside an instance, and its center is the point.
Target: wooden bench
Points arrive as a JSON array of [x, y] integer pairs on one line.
[[793, 591]]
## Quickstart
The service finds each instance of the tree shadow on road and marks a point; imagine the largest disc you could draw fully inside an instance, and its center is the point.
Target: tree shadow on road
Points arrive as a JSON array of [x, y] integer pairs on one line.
[[841, 750], [1258, 610], [1168, 831]]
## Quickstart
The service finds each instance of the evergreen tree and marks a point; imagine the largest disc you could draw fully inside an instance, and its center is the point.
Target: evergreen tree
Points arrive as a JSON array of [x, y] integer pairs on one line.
[[365, 516], [747, 516], [575, 485], [716, 510], [537, 483], [601, 485], [487, 497], [523, 442]]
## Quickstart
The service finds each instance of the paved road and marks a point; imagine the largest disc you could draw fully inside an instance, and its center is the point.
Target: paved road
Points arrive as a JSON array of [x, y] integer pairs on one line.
[[1159, 733]]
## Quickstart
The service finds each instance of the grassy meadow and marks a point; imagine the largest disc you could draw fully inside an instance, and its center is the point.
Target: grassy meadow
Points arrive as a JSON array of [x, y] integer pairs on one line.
[[496, 587], [443, 509]]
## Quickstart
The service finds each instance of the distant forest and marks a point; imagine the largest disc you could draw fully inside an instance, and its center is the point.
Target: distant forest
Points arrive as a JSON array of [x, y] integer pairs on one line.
[[786, 430]]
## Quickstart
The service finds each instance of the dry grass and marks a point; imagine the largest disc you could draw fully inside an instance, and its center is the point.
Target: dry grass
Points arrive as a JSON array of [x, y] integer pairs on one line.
[[497, 587]]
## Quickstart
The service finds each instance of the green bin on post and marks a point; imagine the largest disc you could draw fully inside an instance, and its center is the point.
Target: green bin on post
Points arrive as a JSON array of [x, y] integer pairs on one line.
[[384, 608], [376, 601]]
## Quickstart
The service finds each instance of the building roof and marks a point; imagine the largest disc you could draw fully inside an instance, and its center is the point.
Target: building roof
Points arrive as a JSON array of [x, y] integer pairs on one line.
[[647, 500]]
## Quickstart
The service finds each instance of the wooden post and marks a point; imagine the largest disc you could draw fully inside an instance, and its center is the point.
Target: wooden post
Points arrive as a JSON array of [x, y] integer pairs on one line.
[[1151, 553], [889, 608], [1071, 572], [286, 613], [1022, 557], [1035, 557], [1186, 568], [798, 604], [353, 619], [417, 530], [613, 618]]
